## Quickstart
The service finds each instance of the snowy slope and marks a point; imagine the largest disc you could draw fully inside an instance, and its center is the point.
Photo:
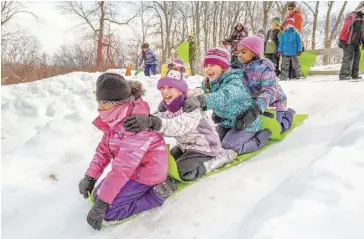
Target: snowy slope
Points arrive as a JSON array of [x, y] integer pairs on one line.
[[308, 186]]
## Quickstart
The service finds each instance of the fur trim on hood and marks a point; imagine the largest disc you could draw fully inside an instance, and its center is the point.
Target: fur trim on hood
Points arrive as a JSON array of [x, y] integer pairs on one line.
[[136, 88]]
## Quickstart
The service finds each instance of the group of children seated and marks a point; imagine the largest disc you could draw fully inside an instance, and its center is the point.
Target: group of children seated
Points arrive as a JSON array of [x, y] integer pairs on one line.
[[133, 140]]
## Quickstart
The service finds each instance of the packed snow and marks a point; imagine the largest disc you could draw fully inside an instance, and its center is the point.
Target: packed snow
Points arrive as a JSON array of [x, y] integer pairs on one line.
[[311, 185], [335, 67]]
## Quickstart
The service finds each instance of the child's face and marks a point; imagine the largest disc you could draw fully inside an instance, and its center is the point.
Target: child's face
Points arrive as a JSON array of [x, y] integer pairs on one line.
[[105, 105], [213, 71], [291, 9], [245, 55], [239, 27], [273, 25], [169, 93], [145, 49]]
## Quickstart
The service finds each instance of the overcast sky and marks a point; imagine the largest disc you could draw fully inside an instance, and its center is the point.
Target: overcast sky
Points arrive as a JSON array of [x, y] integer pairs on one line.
[[57, 28]]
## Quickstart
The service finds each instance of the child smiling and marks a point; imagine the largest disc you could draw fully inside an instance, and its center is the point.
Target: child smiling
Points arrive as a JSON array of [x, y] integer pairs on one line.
[[226, 95]]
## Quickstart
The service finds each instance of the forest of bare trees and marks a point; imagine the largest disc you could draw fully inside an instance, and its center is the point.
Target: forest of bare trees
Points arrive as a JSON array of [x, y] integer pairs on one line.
[[164, 25]]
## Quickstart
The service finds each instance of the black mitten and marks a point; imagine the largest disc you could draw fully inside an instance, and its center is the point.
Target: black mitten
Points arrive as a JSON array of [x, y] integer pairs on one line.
[[217, 119], [137, 123], [86, 185], [97, 214], [246, 118]]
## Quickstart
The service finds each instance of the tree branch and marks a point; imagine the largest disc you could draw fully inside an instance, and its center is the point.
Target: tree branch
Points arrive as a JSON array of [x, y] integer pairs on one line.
[[338, 20]]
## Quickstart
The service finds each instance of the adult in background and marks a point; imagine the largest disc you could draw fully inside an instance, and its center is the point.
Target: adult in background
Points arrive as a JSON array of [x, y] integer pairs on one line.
[[239, 33], [351, 37]]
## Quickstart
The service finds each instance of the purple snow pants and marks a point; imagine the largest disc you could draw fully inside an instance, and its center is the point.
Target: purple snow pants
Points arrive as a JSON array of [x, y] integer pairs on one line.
[[133, 198], [285, 118], [242, 142]]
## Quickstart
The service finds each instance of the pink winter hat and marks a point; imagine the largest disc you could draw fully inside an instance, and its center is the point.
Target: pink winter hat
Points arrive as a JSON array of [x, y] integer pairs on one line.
[[217, 56], [255, 43]]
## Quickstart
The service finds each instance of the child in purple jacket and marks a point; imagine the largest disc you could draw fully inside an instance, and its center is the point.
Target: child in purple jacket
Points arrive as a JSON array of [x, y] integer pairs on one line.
[[150, 60], [261, 80]]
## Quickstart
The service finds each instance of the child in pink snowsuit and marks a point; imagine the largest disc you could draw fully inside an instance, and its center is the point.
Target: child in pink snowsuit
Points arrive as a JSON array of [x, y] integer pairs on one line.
[[139, 160]]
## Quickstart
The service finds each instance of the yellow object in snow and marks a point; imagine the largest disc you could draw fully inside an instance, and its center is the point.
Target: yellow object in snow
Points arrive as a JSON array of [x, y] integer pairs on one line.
[[165, 69]]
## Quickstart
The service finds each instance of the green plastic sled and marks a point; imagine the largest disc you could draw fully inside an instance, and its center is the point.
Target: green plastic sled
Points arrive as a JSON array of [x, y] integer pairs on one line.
[[173, 171], [172, 167], [307, 59], [272, 124], [183, 52], [137, 72], [361, 64], [297, 120]]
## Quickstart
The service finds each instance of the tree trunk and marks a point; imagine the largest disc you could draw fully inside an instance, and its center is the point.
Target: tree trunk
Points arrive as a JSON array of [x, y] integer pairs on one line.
[[197, 35], [331, 33], [252, 17], [314, 27], [266, 8], [99, 61], [214, 23], [326, 31], [205, 24], [221, 29]]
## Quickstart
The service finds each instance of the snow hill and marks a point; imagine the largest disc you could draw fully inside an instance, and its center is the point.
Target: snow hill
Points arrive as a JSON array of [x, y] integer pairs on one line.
[[311, 185]]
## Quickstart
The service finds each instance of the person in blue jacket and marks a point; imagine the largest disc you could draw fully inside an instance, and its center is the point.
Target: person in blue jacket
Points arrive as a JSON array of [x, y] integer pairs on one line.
[[290, 47]]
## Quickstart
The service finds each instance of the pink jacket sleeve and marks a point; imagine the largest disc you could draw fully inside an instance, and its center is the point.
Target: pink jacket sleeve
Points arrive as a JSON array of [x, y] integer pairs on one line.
[[100, 161], [132, 150]]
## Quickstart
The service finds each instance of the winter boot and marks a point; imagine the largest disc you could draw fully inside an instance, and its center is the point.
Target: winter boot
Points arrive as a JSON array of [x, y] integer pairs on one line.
[[357, 78], [166, 188], [225, 156], [344, 77]]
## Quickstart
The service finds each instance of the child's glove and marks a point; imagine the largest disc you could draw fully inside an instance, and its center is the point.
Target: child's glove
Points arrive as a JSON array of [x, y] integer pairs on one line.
[[97, 214], [342, 44], [279, 54], [86, 185], [137, 123], [217, 119], [194, 102], [246, 118]]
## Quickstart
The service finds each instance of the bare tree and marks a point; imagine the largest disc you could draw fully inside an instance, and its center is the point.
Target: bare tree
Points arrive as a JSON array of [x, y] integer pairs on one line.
[[10, 9], [314, 12], [281, 8], [331, 28], [20, 48], [266, 9], [165, 12], [95, 16]]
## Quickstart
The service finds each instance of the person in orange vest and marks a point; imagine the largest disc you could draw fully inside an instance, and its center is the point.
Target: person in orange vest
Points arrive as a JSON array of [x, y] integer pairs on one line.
[[296, 14]]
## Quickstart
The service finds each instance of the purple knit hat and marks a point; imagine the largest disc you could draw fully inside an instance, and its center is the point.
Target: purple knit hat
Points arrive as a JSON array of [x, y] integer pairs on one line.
[[217, 56], [255, 43], [178, 61], [173, 79]]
